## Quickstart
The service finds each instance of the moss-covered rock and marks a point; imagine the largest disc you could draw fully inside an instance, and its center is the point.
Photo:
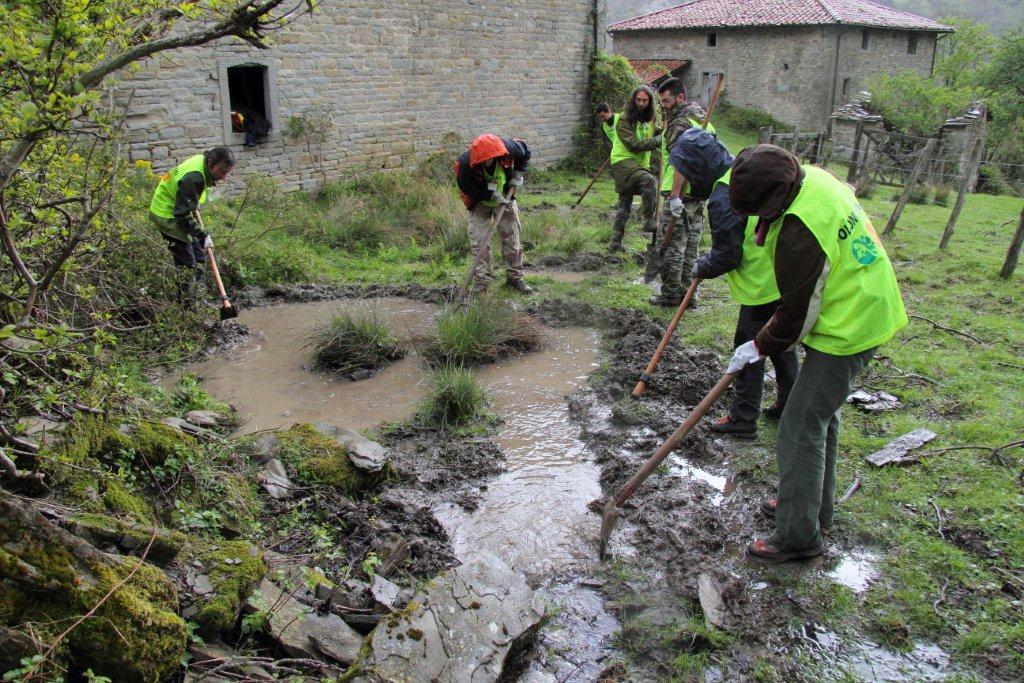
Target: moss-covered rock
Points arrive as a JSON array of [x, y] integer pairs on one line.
[[119, 500], [50, 578], [99, 529], [234, 567], [320, 459]]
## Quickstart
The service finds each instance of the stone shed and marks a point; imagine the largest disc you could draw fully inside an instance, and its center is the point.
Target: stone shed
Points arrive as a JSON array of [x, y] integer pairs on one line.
[[795, 59], [399, 81]]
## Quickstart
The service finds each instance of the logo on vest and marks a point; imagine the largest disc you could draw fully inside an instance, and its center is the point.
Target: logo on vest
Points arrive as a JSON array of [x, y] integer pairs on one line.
[[864, 250]]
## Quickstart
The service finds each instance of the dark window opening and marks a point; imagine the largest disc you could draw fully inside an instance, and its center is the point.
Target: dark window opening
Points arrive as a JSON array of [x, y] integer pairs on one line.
[[865, 39], [712, 39], [247, 90], [846, 87], [912, 44]]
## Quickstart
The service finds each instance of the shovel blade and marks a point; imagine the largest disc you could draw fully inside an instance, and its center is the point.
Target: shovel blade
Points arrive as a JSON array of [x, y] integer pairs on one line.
[[652, 264], [608, 519], [228, 312]]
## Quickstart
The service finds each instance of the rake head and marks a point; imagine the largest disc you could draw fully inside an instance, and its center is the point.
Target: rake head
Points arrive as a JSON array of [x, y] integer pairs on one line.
[[608, 519]]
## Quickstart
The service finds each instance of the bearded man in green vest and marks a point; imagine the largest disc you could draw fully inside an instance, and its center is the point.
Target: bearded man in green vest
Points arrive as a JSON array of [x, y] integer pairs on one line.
[[839, 296], [175, 212], [681, 249], [634, 167]]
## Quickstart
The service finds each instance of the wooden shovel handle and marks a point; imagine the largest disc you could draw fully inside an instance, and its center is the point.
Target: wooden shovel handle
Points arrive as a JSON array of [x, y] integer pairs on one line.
[[216, 276], [673, 441], [597, 175], [644, 378]]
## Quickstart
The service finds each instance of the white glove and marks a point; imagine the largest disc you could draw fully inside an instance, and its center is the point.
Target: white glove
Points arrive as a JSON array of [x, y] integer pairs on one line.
[[516, 180], [496, 194], [744, 355], [675, 206], [207, 243]]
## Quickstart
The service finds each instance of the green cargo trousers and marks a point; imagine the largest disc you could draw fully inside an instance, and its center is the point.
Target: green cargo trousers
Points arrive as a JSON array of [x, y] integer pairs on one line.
[[681, 250], [807, 447]]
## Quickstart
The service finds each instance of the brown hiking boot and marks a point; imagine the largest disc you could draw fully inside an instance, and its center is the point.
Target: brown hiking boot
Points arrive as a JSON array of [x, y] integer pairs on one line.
[[766, 553], [741, 430], [519, 286], [773, 412]]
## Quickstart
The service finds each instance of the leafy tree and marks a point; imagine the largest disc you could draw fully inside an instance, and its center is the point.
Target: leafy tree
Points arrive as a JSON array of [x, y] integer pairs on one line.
[[963, 53], [916, 105], [61, 165]]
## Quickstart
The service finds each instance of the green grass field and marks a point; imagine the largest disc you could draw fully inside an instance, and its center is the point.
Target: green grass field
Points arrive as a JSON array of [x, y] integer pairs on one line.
[[959, 585]]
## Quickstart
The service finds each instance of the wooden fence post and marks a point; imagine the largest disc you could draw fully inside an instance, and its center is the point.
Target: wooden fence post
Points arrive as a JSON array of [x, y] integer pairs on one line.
[[1013, 253], [961, 195], [851, 175], [766, 135], [922, 162]]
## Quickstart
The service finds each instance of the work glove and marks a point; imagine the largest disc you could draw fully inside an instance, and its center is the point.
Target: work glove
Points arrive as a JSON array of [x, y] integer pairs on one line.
[[744, 355], [496, 194], [516, 180], [207, 243], [675, 206]]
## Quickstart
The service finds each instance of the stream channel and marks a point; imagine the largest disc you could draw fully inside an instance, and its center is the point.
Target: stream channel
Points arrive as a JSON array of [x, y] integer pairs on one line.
[[533, 516]]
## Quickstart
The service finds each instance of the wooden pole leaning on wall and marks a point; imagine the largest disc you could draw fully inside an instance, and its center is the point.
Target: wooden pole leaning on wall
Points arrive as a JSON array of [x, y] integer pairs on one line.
[[1013, 253], [851, 175], [922, 163]]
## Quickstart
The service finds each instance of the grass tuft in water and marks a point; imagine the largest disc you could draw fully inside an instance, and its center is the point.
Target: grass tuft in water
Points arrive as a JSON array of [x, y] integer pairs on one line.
[[485, 331], [350, 342], [454, 398]]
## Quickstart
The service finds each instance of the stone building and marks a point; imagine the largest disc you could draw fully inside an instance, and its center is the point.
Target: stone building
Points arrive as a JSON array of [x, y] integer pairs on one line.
[[795, 59], [399, 81]]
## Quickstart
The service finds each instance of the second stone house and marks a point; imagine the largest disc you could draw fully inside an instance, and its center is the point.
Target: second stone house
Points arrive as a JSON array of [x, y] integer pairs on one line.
[[795, 59]]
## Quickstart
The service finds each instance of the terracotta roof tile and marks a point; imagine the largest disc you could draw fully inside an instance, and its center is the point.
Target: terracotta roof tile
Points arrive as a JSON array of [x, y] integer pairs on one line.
[[650, 70], [744, 13]]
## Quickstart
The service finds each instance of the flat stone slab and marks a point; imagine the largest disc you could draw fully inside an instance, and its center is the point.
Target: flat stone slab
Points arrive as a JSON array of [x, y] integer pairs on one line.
[[302, 632], [205, 418], [896, 452], [874, 402], [274, 480], [460, 627], [368, 456]]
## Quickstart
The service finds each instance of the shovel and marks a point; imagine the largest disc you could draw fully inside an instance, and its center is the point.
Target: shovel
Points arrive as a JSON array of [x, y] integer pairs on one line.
[[227, 311], [611, 508], [486, 245], [597, 175]]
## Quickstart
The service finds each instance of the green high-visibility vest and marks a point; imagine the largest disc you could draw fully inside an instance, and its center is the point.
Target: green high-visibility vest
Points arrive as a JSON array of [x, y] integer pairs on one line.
[[162, 204], [751, 283], [621, 152], [498, 178], [860, 306], [667, 172], [609, 128]]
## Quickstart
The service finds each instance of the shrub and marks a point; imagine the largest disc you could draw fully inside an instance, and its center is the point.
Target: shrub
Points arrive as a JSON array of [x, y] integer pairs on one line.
[[188, 395], [941, 192], [486, 330], [747, 119], [865, 189], [350, 342], [612, 80], [919, 194], [992, 181], [455, 397]]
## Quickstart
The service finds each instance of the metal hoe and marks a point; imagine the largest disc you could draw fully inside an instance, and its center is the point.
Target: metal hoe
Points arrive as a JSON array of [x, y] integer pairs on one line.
[[611, 508]]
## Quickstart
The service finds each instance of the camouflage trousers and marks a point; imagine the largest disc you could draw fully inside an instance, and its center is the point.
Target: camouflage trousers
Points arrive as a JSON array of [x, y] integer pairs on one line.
[[511, 251], [646, 187], [681, 251]]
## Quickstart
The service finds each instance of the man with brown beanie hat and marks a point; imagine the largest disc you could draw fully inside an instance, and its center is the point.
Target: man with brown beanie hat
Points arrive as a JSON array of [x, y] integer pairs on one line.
[[839, 296]]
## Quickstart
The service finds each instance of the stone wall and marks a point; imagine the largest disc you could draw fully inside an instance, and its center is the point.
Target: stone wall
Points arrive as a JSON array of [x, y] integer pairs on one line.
[[402, 80], [787, 72]]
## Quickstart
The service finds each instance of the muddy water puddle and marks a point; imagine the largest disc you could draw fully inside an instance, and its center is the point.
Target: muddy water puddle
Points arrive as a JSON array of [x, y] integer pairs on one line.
[[268, 382], [534, 515], [564, 276]]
